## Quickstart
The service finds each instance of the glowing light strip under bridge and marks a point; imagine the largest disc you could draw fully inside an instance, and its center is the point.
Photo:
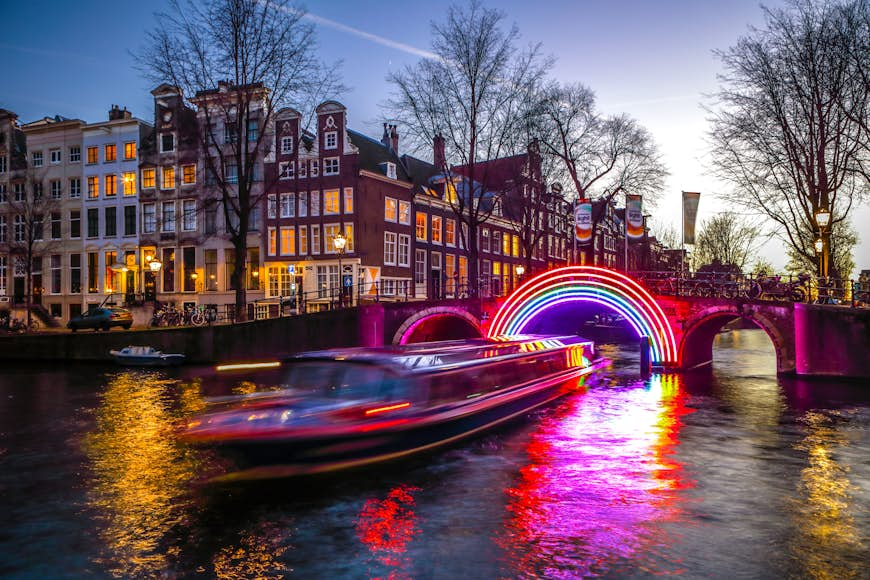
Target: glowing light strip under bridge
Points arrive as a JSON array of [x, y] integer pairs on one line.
[[589, 284]]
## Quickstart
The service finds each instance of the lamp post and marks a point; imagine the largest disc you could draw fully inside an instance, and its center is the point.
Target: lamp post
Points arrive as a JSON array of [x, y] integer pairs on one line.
[[823, 220], [155, 266], [520, 270], [340, 241]]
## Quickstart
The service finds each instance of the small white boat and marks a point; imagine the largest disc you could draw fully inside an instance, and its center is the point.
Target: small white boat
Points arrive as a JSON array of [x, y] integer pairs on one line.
[[145, 356]]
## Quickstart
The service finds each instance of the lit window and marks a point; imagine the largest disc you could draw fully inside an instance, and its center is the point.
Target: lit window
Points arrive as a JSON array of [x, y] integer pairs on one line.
[[436, 229], [303, 240], [147, 178], [188, 174], [390, 209], [288, 241], [348, 200], [93, 154], [167, 180], [93, 186], [272, 249], [405, 213], [111, 185], [421, 226], [329, 233], [330, 166], [348, 236], [330, 202], [130, 150], [129, 179], [450, 232], [111, 153]]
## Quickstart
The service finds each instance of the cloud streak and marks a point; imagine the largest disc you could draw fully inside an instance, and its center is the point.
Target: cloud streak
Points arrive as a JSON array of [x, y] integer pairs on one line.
[[400, 46]]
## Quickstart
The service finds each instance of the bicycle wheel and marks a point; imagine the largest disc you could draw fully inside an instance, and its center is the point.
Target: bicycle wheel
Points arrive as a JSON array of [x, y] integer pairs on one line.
[[34, 325]]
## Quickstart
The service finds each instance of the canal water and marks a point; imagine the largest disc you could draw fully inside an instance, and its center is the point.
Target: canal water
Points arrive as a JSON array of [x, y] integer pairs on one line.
[[732, 473]]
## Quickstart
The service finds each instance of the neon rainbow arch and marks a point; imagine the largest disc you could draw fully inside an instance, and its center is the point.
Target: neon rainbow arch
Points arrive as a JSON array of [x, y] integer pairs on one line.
[[589, 284]]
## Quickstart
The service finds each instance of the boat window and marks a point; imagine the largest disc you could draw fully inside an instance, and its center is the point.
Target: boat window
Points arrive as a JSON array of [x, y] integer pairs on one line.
[[340, 380]]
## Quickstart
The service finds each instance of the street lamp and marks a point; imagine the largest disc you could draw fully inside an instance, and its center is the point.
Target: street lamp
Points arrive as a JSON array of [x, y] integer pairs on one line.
[[823, 220], [520, 270], [155, 266], [340, 241]]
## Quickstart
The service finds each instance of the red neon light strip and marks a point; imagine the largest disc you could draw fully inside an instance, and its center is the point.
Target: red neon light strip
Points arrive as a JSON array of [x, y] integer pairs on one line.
[[389, 408]]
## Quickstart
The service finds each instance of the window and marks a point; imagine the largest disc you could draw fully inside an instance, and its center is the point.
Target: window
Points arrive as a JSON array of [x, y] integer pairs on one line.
[[253, 130], [419, 266], [272, 206], [110, 153], [315, 168], [75, 187], [3, 164], [496, 242], [231, 173], [330, 202], [93, 155], [405, 213], [148, 178], [36, 158], [421, 226], [436, 229], [348, 200], [254, 219], [75, 223], [75, 155], [188, 268], [167, 142], [404, 250], [3, 232], [330, 166], [93, 222], [93, 272], [391, 170], [18, 228], [484, 240], [37, 191], [130, 150], [288, 241], [450, 232], [390, 213], [389, 248], [93, 187], [315, 239], [272, 247], [75, 273], [3, 198], [303, 240], [149, 218], [167, 212], [315, 203], [211, 216], [286, 145], [168, 269], [288, 205], [129, 182], [515, 246], [188, 174], [210, 257], [286, 170], [303, 168], [56, 189], [111, 185], [18, 190], [303, 204], [450, 273], [111, 221], [230, 133], [129, 220], [55, 225], [167, 179], [329, 233], [348, 235], [55, 156], [330, 139], [36, 225], [188, 215]]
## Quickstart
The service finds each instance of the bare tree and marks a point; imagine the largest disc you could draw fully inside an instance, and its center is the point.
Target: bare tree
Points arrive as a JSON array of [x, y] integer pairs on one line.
[[726, 239], [843, 239], [790, 132], [473, 93], [603, 155], [239, 61], [665, 233]]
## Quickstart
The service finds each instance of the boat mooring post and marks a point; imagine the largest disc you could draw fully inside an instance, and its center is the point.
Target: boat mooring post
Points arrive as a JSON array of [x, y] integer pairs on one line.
[[645, 366]]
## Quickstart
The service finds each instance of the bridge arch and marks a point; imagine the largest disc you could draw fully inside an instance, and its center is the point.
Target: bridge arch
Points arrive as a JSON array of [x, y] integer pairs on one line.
[[589, 284], [438, 323], [696, 342]]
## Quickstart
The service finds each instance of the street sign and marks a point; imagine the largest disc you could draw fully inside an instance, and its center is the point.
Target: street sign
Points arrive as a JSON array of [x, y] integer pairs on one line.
[[291, 269]]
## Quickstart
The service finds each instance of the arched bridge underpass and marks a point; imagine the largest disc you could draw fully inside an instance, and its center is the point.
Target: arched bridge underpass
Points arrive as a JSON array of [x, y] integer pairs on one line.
[[808, 339]]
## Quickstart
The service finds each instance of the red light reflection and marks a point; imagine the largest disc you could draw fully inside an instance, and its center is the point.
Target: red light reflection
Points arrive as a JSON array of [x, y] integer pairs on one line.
[[387, 526], [601, 485]]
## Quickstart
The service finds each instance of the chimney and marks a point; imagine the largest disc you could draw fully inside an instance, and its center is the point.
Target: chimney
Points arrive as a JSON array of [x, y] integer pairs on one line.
[[115, 113], [394, 139], [438, 146], [385, 138]]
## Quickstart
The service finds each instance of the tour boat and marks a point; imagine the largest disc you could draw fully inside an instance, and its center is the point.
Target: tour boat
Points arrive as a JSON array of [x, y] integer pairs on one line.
[[344, 408], [145, 356]]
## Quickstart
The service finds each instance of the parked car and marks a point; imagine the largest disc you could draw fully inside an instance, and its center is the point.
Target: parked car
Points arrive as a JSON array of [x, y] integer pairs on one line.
[[100, 318]]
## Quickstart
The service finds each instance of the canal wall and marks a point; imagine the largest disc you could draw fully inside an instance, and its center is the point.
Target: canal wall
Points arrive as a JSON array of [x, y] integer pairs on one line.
[[832, 341]]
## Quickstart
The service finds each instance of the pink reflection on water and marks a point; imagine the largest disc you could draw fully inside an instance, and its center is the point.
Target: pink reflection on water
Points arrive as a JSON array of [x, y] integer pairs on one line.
[[386, 527], [601, 485]]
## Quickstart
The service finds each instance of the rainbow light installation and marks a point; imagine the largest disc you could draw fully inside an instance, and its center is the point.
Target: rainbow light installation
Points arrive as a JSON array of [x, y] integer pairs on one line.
[[589, 284]]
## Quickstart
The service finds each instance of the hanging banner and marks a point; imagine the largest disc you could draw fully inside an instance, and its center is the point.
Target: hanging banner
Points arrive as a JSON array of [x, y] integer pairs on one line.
[[371, 279], [583, 221], [690, 212], [634, 217]]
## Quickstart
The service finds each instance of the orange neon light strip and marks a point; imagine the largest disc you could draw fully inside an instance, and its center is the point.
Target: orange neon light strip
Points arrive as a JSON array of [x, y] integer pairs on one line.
[[389, 408]]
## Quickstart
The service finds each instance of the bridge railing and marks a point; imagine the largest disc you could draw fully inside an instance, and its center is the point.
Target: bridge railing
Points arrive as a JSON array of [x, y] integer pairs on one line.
[[778, 288]]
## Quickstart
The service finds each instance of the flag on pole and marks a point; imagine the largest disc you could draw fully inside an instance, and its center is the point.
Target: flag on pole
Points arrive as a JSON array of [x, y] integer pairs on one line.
[[583, 221], [690, 212], [634, 217]]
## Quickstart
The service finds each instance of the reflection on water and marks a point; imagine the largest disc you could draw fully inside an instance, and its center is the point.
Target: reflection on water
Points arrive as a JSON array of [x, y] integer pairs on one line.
[[387, 526], [600, 481], [140, 475], [828, 544], [256, 555]]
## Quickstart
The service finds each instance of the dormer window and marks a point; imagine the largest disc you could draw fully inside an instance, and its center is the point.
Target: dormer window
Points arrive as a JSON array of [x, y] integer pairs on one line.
[[331, 140], [286, 145], [391, 170]]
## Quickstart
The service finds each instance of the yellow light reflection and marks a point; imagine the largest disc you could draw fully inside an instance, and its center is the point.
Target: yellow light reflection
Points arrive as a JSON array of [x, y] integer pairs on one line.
[[257, 554], [140, 474], [828, 543]]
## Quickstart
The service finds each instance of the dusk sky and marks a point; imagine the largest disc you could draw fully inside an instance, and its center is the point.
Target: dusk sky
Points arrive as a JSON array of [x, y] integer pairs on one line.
[[652, 60]]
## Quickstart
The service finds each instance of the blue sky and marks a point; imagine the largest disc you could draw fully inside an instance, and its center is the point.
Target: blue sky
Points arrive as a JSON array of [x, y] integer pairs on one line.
[[650, 59]]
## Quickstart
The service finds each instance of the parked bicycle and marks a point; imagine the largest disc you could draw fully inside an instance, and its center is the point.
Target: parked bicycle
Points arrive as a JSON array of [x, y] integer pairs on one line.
[[775, 288]]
